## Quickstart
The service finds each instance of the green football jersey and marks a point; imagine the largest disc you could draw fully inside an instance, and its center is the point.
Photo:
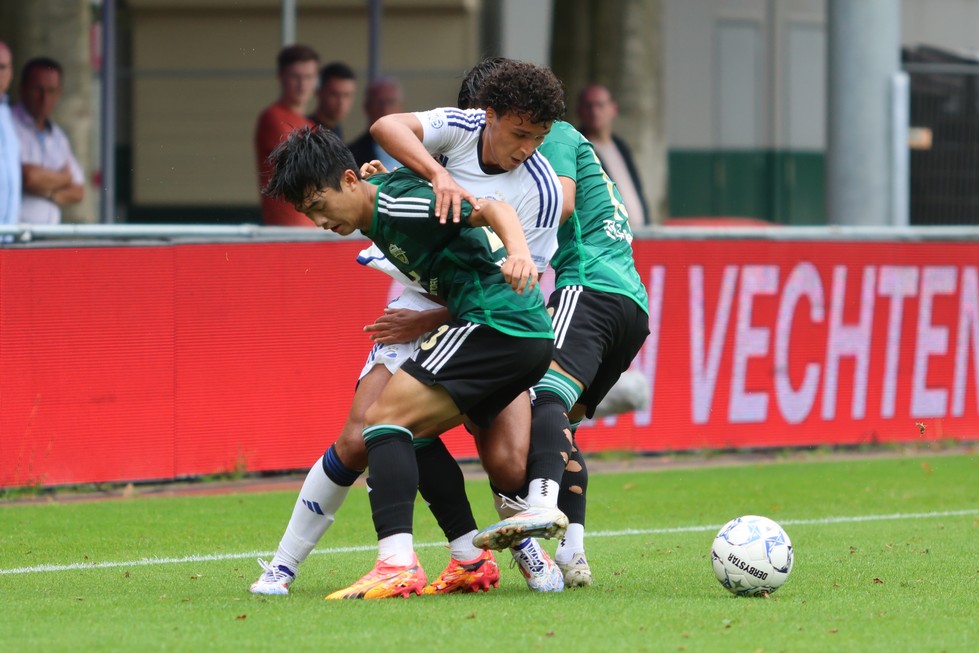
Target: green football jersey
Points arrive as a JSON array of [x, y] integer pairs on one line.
[[454, 261], [595, 242]]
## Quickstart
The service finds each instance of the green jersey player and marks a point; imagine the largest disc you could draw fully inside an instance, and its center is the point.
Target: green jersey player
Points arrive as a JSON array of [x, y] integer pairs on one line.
[[497, 343]]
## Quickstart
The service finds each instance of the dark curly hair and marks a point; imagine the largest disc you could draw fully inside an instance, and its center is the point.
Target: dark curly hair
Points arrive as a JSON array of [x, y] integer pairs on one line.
[[473, 81], [311, 158], [530, 91]]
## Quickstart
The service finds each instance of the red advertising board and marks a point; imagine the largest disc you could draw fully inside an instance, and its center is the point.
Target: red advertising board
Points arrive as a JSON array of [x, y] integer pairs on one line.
[[122, 363]]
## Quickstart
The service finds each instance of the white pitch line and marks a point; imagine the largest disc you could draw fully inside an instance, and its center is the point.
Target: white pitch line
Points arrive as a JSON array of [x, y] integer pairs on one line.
[[213, 557]]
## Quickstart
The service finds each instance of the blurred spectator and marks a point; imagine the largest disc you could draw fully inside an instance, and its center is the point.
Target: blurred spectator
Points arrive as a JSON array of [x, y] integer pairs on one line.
[[10, 176], [335, 96], [596, 112], [296, 71], [383, 97], [52, 177]]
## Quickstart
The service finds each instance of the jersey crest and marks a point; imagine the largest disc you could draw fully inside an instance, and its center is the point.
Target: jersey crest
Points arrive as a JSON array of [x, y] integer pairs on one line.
[[398, 253]]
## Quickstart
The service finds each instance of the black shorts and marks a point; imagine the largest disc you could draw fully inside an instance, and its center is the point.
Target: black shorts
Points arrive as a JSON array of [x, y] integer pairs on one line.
[[596, 336], [482, 369]]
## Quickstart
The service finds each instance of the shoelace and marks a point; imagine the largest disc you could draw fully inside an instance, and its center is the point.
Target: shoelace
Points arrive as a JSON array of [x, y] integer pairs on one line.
[[535, 563], [515, 503], [273, 574]]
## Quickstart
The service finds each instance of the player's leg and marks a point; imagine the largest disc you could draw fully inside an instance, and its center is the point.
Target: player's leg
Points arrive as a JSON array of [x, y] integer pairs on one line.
[[570, 553], [330, 478], [630, 392], [443, 487], [406, 405], [549, 450], [466, 368], [596, 336], [503, 447], [324, 490], [615, 327]]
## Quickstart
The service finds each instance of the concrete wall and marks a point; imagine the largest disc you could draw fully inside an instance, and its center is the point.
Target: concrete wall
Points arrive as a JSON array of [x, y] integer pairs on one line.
[[693, 74], [202, 70]]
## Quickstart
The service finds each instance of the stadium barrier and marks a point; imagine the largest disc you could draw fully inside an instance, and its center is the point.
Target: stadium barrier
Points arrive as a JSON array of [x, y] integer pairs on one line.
[[140, 354]]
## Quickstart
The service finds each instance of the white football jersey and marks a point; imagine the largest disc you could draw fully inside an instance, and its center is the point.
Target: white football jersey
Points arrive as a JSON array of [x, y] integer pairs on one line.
[[532, 189]]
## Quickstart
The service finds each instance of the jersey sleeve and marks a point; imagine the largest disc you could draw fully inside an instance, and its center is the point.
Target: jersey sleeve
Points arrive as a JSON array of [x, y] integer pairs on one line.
[[562, 155], [447, 128], [373, 257]]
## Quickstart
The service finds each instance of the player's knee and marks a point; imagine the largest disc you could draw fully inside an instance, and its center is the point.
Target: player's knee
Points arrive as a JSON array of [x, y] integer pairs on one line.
[[508, 476], [350, 446]]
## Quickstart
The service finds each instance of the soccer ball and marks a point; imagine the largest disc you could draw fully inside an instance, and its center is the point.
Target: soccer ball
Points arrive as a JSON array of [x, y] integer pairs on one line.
[[751, 556]]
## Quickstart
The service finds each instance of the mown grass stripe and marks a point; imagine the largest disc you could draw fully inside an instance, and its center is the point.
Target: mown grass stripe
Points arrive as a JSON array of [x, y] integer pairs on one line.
[[217, 557]]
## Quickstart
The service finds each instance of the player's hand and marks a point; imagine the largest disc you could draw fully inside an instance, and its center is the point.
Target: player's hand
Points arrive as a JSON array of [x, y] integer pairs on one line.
[[448, 198], [520, 272], [374, 167], [398, 325]]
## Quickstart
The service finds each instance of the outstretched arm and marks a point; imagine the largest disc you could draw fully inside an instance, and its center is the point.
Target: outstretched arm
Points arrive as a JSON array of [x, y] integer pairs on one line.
[[568, 190], [400, 135], [518, 269], [404, 325]]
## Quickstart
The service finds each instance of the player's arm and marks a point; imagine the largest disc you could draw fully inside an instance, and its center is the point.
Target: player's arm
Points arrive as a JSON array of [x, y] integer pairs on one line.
[[372, 168], [518, 269], [404, 325], [401, 135], [568, 190]]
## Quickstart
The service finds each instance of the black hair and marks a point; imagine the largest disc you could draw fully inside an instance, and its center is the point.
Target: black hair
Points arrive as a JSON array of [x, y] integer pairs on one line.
[[294, 54], [336, 70], [524, 89], [310, 159], [474, 79], [40, 63]]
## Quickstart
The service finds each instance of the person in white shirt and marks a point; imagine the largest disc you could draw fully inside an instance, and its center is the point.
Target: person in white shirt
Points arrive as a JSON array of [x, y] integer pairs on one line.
[[10, 184], [596, 113], [52, 176]]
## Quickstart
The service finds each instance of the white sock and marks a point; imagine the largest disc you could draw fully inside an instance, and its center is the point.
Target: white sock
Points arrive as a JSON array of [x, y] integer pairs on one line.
[[462, 548], [573, 542], [306, 526], [543, 493], [397, 549]]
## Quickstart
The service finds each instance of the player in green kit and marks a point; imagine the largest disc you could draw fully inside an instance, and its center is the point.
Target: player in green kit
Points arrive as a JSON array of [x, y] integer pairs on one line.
[[497, 343], [600, 316], [600, 319]]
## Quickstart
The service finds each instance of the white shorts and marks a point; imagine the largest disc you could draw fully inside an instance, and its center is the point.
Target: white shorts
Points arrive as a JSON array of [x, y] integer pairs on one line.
[[390, 356], [393, 356]]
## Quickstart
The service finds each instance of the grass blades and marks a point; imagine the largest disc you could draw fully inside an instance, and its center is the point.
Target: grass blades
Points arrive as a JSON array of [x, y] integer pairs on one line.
[[887, 559]]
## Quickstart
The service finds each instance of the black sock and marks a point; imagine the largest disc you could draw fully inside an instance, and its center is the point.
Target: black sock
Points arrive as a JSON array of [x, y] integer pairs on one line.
[[550, 438], [443, 487], [574, 484], [392, 478]]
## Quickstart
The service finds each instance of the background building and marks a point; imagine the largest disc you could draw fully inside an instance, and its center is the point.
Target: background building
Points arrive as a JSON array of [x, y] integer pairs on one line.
[[727, 109]]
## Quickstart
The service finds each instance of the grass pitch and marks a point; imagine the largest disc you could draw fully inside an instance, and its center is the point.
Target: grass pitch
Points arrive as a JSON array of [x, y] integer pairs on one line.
[[887, 559]]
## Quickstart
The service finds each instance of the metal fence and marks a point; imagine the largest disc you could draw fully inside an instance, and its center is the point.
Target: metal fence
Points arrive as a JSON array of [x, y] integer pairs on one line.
[[944, 137]]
